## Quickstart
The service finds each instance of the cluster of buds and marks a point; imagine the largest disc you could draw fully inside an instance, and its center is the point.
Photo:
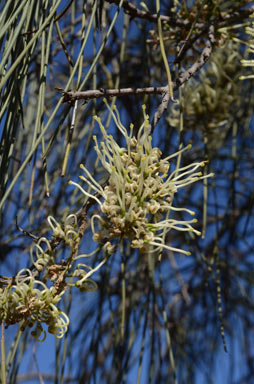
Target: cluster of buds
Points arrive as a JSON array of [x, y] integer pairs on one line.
[[31, 302], [139, 196], [250, 62], [44, 260], [208, 102], [67, 232]]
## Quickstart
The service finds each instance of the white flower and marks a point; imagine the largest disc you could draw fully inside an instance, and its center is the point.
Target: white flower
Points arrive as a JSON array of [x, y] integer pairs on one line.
[[138, 198], [32, 302]]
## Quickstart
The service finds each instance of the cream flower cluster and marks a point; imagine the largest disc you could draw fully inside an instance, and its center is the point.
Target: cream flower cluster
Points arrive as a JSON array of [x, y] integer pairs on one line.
[[138, 199], [30, 301], [250, 62], [33, 303]]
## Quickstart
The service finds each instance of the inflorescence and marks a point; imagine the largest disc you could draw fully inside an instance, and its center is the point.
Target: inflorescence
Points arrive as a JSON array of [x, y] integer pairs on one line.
[[138, 200], [33, 302]]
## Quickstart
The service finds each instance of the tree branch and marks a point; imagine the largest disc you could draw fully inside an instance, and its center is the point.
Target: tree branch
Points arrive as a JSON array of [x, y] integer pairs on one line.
[[134, 12], [233, 17], [97, 93], [183, 77], [206, 53]]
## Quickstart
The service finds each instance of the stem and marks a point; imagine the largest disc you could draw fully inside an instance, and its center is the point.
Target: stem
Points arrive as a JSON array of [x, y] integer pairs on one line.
[[3, 367], [163, 53], [123, 293]]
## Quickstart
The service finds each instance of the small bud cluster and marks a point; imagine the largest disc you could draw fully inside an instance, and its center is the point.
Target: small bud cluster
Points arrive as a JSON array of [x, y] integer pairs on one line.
[[207, 103], [32, 302], [139, 195], [249, 62]]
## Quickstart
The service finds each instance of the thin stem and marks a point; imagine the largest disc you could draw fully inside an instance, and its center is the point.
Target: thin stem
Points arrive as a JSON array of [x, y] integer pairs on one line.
[[3, 366], [123, 293], [163, 53]]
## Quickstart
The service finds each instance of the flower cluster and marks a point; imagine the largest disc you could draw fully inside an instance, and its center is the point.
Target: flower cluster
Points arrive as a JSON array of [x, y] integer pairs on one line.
[[33, 303], [207, 103], [68, 233], [250, 62], [45, 260], [30, 301], [139, 196]]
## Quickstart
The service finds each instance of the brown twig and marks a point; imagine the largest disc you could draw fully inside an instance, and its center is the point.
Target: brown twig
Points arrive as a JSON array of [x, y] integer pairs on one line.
[[26, 233], [68, 56], [233, 17], [97, 93], [134, 12], [61, 14], [183, 77], [205, 54], [161, 109]]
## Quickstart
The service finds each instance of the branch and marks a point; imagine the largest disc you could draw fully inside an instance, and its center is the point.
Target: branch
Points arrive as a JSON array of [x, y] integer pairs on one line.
[[233, 17], [95, 94], [185, 76], [161, 108], [133, 12], [206, 53]]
